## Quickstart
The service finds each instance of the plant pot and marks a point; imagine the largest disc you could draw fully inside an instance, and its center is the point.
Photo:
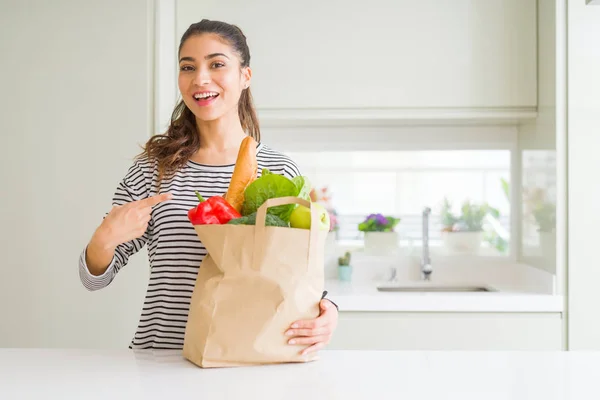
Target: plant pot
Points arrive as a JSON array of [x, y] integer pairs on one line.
[[463, 242], [345, 273], [381, 242]]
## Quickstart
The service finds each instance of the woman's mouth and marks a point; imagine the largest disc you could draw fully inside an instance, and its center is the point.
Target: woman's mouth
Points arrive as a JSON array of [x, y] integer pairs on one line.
[[205, 98]]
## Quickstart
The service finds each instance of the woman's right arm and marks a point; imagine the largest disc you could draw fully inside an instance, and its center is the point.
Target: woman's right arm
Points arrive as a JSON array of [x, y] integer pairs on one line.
[[122, 233], [99, 254], [123, 224]]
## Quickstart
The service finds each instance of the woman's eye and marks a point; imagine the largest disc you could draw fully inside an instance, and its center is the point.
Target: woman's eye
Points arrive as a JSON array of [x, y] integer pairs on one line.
[[187, 68], [218, 65]]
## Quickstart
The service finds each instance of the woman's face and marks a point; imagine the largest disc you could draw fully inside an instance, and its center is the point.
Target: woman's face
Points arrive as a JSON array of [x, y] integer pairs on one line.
[[210, 78]]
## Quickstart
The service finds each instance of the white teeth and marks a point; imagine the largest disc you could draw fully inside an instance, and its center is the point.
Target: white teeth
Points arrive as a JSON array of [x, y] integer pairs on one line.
[[204, 95]]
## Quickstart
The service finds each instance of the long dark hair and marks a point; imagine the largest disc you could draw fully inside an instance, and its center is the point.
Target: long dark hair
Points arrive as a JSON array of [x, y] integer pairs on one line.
[[174, 148]]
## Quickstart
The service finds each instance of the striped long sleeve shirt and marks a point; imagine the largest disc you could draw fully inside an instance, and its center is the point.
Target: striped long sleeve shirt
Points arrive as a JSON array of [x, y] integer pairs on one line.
[[174, 250]]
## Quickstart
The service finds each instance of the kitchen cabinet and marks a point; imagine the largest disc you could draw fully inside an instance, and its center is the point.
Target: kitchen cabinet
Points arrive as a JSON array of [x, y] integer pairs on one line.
[[447, 331], [384, 56]]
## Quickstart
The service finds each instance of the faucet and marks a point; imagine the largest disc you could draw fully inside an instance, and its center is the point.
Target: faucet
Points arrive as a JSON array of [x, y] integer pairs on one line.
[[426, 268]]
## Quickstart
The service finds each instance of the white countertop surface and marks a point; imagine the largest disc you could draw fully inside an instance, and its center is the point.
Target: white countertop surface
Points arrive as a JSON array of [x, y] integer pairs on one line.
[[364, 296], [165, 374]]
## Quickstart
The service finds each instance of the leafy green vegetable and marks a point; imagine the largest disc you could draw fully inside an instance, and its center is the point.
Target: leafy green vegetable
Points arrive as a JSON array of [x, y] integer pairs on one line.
[[270, 186], [267, 187], [303, 186], [270, 220]]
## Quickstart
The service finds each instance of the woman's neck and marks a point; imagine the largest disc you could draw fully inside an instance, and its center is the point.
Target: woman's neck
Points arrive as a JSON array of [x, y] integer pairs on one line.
[[221, 134]]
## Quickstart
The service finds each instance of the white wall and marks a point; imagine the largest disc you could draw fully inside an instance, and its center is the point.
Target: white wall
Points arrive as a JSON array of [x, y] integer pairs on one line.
[[584, 189], [75, 101]]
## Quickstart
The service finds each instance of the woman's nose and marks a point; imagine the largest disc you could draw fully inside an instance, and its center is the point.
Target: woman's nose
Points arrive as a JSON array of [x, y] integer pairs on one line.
[[202, 77]]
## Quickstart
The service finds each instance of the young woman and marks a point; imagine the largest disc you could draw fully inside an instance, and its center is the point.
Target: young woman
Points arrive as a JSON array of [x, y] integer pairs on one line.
[[198, 152]]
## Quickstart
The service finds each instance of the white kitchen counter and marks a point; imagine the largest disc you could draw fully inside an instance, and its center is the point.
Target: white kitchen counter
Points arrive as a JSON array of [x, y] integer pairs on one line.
[[364, 296], [125, 374], [517, 287]]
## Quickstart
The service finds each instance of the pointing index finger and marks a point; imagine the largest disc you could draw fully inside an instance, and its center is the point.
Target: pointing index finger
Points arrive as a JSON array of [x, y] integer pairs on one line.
[[154, 200]]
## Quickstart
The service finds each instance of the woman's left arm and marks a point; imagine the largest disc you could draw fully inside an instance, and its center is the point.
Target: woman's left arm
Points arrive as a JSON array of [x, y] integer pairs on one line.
[[314, 333]]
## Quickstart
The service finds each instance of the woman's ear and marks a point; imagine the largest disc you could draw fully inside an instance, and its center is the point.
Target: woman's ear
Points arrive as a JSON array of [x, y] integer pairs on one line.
[[246, 77]]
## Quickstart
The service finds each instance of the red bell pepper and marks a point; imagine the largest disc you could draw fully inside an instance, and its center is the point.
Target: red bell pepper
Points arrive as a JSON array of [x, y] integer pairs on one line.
[[215, 210]]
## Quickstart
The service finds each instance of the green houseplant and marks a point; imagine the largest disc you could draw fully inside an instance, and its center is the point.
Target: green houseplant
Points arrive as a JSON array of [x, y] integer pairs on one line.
[[344, 267], [380, 236], [378, 223], [464, 232], [545, 217], [497, 239]]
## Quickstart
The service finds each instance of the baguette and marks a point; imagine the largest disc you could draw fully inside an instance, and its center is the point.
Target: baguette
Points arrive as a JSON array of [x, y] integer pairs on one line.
[[244, 173]]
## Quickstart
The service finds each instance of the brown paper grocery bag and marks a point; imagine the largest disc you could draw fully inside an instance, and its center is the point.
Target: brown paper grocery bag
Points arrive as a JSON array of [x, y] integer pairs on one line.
[[254, 283]]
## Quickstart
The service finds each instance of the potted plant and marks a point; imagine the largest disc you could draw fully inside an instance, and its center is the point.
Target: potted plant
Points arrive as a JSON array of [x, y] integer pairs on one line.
[[464, 232], [545, 217], [379, 233], [344, 267]]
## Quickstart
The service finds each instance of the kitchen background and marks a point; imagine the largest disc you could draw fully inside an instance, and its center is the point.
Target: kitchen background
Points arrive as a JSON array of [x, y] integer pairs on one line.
[[374, 117], [389, 109]]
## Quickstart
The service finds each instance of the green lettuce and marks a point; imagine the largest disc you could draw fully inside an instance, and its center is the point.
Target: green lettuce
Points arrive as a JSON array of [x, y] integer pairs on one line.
[[303, 186], [270, 186]]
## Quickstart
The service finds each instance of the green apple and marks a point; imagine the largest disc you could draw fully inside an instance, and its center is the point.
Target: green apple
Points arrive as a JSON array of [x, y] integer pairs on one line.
[[300, 217]]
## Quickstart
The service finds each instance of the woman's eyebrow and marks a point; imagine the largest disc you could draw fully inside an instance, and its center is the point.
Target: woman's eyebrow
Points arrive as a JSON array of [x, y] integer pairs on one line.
[[192, 59], [208, 57], [213, 55]]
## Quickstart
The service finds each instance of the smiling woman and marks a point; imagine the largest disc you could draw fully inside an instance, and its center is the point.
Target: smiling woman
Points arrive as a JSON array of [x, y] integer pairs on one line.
[[214, 82], [196, 154], [208, 80]]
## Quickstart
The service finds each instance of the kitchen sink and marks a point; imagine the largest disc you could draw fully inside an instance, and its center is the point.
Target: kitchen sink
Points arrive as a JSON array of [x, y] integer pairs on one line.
[[435, 288]]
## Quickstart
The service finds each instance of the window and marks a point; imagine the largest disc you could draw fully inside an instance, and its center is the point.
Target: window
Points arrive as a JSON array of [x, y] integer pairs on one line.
[[402, 183]]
